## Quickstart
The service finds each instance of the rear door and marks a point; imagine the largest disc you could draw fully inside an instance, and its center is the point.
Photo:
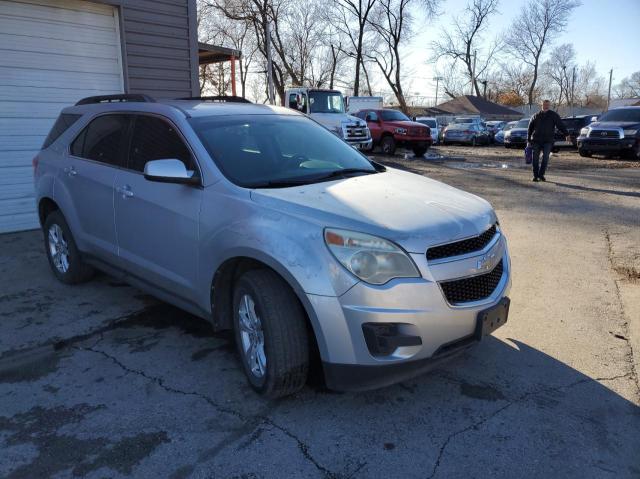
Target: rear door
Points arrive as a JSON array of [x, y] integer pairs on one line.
[[157, 223], [87, 180]]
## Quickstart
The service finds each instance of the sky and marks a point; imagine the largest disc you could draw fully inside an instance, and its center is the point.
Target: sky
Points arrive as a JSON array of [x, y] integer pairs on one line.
[[604, 32]]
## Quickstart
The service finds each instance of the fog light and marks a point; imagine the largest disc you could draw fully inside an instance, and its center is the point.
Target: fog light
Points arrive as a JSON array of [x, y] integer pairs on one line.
[[384, 338]]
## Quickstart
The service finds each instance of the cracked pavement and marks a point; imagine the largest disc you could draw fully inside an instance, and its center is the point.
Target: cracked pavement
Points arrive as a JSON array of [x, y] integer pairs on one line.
[[101, 380]]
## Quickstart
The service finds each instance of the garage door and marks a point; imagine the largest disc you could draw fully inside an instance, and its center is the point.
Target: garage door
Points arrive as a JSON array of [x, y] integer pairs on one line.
[[52, 52]]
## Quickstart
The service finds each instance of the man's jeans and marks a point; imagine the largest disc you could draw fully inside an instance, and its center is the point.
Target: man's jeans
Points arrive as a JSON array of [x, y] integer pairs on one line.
[[538, 171]]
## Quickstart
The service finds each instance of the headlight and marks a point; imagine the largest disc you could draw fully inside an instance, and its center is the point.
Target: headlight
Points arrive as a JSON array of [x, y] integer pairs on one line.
[[584, 132], [630, 132], [401, 131], [372, 259]]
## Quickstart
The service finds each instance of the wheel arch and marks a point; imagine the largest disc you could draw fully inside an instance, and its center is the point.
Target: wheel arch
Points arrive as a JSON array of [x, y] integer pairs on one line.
[[46, 206], [232, 268]]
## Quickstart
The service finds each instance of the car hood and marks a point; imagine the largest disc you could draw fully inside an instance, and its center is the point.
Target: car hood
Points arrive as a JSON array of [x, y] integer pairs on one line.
[[406, 124], [334, 120], [411, 210], [518, 130], [614, 124]]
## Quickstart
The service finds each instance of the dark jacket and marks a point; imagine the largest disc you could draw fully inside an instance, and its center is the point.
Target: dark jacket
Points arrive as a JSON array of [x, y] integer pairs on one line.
[[542, 127]]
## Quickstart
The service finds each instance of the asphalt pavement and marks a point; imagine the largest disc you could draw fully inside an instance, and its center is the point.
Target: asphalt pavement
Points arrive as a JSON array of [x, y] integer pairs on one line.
[[102, 380]]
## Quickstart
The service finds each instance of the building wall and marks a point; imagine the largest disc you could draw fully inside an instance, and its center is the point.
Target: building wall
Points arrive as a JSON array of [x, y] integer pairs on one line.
[[160, 46]]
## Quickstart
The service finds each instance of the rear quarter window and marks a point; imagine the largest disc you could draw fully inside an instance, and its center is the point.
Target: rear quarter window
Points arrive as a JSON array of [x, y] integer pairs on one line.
[[62, 124]]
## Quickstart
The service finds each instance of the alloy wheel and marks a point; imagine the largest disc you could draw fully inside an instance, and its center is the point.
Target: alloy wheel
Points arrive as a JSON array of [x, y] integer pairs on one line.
[[59, 248], [252, 336]]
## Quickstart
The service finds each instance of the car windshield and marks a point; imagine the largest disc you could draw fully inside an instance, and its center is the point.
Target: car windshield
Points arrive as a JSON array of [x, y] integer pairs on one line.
[[394, 115], [522, 124], [464, 120], [430, 123], [326, 102], [256, 151], [623, 114]]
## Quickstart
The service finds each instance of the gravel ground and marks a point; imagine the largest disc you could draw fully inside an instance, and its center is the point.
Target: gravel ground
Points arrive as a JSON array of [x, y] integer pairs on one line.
[[101, 380]]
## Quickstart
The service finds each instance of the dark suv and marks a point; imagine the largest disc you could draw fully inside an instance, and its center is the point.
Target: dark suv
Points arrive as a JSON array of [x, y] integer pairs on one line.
[[617, 132], [573, 124]]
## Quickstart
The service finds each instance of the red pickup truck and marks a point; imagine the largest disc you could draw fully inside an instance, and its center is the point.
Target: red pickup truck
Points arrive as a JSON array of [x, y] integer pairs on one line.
[[392, 128]]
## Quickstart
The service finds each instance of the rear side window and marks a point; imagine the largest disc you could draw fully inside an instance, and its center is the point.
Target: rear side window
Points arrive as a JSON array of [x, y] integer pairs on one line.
[[102, 140], [62, 124], [156, 139]]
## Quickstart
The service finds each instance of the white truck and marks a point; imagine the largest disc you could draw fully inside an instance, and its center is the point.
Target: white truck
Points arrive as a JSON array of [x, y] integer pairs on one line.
[[327, 108], [357, 103]]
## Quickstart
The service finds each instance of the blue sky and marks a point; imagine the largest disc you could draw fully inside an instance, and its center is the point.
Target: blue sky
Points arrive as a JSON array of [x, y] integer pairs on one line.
[[605, 32]]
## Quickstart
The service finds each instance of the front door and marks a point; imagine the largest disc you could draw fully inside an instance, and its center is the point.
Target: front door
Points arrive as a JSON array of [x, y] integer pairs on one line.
[[371, 118], [157, 223]]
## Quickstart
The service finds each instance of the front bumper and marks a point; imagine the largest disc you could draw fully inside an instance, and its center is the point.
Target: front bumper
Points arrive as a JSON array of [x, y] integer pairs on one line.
[[607, 145], [361, 144], [515, 140], [419, 306]]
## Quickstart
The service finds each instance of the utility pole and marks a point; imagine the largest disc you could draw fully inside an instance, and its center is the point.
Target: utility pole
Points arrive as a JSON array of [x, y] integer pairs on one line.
[[473, 73], [269, 62], [609, 93], [437, 79], [573, 84]]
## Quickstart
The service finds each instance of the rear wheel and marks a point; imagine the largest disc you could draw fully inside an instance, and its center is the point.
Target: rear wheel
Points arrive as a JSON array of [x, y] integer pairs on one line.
[[271, 334], [62, 252], [388, 145]]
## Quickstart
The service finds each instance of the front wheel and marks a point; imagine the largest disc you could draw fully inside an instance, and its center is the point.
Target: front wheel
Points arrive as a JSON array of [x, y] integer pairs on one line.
[[271, 334], [419, 151], [388, 145], [62, 252], [584, 153]]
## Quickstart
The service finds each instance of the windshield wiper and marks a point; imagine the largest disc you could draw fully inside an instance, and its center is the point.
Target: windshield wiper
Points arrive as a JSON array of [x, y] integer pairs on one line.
[[305, 180]]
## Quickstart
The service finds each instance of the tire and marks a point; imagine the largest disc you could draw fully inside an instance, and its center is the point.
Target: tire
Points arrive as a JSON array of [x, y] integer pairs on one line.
[[283, 366], [419, 151], [507, 146], [67, 266], [584, 153], [388, 145]]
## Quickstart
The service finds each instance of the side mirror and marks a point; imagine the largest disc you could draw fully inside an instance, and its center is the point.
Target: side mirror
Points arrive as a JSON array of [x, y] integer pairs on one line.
[[169, 171]]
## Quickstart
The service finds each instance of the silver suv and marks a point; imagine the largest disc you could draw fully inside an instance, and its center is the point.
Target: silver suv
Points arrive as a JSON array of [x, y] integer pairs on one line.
[[263, 222]]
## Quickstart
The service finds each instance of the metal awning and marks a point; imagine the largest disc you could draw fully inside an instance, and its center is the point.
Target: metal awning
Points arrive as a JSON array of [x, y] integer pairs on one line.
[[214, 54]]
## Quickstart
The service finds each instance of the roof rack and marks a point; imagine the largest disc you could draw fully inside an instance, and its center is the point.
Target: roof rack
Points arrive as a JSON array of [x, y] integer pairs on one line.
[[115, 98], [220, 98]]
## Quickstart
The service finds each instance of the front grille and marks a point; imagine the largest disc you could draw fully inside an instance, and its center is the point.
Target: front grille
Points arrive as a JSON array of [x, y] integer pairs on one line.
[[462, 247], [417, 132], [353, 133], [475, 288], [615, 134]]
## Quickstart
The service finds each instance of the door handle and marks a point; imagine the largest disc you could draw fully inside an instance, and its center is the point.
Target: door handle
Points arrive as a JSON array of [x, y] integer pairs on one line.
[[125, 191], [70, 171]]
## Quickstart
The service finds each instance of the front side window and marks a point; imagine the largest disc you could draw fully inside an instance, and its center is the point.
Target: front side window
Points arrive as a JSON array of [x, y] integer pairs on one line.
[[102, 140], [262, 150], [155, 139], [371, 116]]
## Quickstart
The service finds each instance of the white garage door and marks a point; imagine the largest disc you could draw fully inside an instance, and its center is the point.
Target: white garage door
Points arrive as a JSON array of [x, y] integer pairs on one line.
[[52, 53]]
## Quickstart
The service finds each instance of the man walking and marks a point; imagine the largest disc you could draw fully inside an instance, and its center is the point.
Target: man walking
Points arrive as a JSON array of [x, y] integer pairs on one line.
[[542, 128]]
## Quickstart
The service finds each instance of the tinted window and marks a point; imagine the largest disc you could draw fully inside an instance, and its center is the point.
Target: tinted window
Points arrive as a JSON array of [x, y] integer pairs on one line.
[[394, 115], [102, 140], [623, 114], [253, 150], [431, 123], [522, 124], [373, 116], [62, 124], [156, 139]]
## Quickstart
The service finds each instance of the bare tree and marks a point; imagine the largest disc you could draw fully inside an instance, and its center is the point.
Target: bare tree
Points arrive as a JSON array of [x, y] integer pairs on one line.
[[629, 87], [352, 19], [537, 26], [465, 41], [559, 69]]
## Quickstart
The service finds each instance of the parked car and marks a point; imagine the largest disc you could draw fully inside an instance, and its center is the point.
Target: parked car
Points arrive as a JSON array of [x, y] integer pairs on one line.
[[432, 123], [499, 136], [391, 129], [494, 127], [516, 137], [617, 132], [295, 246], [466, 133], [573, 124], [467, 120]]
